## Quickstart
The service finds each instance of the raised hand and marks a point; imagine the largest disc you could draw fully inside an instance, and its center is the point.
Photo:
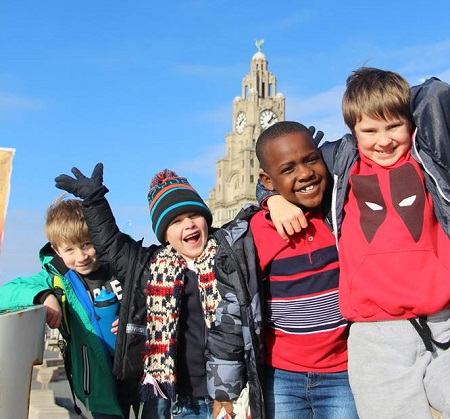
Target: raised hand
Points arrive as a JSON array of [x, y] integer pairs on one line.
[[82, 186], [318, 137]]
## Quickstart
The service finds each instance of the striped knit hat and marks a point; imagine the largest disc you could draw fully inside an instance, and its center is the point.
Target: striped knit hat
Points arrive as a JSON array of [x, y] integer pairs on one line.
[[170, 196]]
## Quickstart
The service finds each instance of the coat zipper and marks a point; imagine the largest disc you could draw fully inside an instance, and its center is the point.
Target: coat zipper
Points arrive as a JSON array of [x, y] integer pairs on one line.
[[86, 372]]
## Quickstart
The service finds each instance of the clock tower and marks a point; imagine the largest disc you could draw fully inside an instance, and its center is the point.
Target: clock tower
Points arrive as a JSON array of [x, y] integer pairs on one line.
[[258, 107]]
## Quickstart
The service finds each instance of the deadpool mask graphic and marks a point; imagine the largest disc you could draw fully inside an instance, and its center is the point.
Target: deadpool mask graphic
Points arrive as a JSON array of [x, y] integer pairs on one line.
[[407, 197]]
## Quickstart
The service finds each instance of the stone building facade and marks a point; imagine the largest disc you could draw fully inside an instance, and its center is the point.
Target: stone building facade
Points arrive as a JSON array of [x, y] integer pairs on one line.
[[258, 107]]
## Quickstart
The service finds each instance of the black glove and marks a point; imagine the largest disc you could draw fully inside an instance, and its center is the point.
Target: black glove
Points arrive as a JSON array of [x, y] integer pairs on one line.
[[318, 137], [86, 188]]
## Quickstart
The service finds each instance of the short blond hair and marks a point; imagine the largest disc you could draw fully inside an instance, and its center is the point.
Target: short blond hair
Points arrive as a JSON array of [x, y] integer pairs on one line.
[[65, 222], [379, 94]]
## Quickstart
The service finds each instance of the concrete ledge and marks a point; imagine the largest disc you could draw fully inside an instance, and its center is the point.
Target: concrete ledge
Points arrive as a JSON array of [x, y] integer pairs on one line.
[[42, 406], [53, 362], [47, 374]]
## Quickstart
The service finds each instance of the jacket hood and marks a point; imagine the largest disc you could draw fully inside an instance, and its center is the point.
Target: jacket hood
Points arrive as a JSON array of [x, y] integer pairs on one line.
[[46, 254], [49, 258]]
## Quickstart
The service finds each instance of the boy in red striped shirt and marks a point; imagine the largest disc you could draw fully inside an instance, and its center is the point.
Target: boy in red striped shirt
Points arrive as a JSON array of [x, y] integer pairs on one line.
[[305, 334]]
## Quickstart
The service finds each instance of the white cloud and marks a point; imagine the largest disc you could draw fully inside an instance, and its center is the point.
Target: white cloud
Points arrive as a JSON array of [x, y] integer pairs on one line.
[[421, 60], [322, 110], [294, 20], [445, 75], [203, 163], [9, 101]]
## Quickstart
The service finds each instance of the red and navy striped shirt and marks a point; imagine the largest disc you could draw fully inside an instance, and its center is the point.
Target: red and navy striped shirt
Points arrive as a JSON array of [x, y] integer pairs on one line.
[[305, 331]]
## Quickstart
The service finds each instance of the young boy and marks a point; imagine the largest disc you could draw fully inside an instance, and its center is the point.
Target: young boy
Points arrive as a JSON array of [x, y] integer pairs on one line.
[[72, 271], [392, 207], [179, 279], [305, 334]]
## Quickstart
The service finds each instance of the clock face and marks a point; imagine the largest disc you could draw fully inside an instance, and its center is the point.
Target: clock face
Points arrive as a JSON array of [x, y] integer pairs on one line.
[[241, 121], [267, 118]]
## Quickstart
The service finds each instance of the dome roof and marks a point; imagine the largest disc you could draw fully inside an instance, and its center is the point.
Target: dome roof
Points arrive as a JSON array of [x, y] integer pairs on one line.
[[259, 56]]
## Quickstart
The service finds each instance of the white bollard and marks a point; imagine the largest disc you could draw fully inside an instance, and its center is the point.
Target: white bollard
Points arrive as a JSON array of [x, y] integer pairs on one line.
[[22, 346]]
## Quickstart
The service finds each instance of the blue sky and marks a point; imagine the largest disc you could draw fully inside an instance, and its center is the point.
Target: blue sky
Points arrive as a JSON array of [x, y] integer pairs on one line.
[[142, 85]]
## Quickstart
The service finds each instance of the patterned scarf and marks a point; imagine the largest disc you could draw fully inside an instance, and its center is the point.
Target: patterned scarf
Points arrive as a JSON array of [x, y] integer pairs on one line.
[[164, 294]]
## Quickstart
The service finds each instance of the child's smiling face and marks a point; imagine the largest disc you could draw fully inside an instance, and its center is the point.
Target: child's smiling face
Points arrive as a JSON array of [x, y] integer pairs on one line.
[[295, 169], [80, 257], [188, 234], [383, 141]]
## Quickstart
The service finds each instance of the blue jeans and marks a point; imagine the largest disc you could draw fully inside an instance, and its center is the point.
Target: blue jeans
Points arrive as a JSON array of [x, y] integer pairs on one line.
[[298, 395], [156, 408], [193, 408]]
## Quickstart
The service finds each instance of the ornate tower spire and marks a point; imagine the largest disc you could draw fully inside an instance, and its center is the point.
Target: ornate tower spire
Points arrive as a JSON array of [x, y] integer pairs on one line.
[[258, 107]]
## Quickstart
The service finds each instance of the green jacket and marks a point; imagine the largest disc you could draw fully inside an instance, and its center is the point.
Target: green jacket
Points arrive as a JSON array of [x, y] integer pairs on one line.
[[93, 381]]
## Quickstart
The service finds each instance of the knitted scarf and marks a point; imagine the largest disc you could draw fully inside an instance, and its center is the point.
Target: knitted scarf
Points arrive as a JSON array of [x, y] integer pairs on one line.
[[164, 293]]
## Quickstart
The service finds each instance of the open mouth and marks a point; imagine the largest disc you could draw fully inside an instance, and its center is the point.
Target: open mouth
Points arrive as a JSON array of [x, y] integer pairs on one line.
[[387, 151], [308, 189], [192, 238]]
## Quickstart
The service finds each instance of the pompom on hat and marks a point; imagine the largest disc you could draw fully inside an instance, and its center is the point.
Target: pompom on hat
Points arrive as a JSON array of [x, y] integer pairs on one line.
[[170, 196]]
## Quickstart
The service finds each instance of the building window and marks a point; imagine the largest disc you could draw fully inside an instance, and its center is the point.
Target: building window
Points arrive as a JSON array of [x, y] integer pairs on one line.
[[252, 179], [252, 163]]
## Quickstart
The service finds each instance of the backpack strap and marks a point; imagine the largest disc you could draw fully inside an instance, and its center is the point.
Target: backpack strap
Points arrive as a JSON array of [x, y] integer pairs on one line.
[[58, 289], [64, 343]]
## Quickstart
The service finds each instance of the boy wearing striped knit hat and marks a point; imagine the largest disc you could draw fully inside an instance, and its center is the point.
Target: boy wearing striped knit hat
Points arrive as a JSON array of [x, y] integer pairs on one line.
[[170, 292]]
